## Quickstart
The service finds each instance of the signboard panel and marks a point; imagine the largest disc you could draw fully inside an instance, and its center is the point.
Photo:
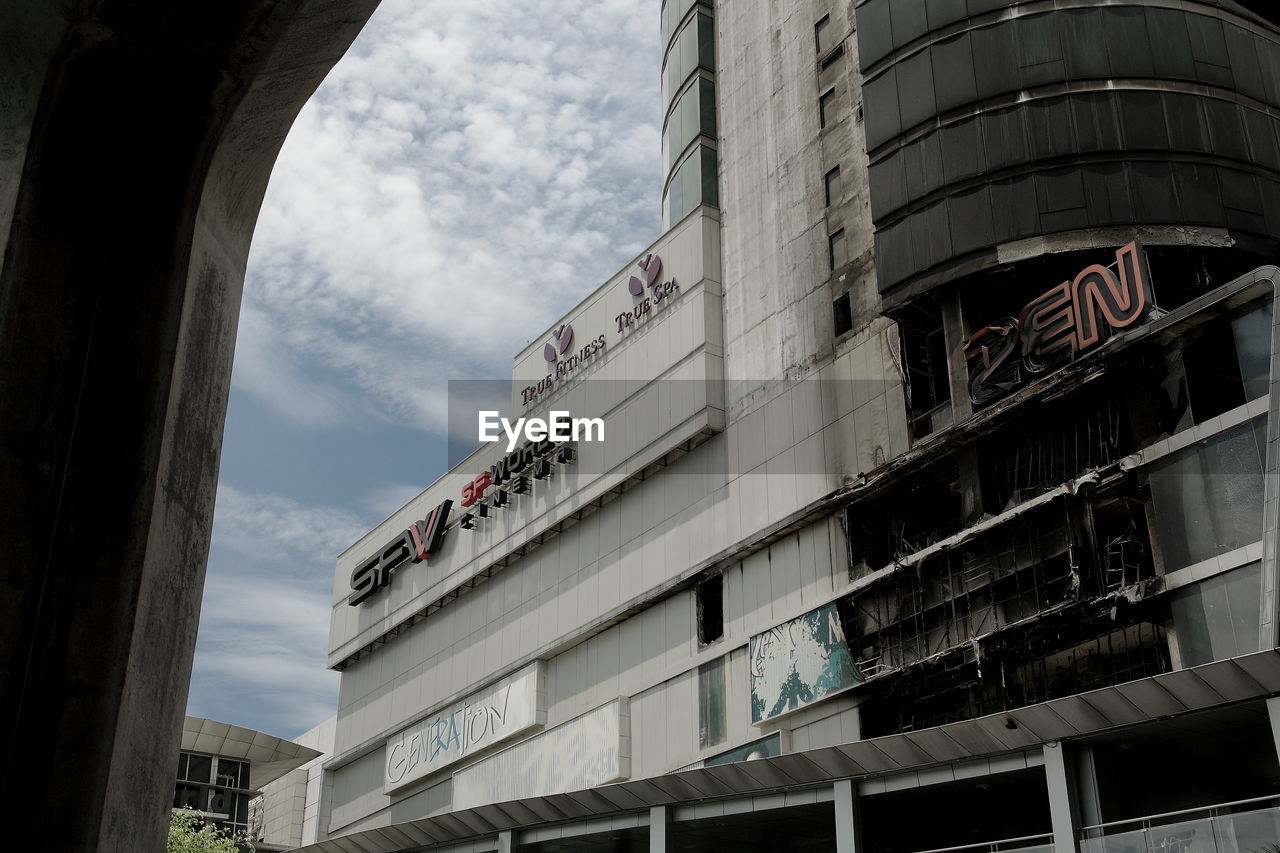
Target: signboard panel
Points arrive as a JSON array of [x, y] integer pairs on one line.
[[483, 719], [590, 750], [798, 663]]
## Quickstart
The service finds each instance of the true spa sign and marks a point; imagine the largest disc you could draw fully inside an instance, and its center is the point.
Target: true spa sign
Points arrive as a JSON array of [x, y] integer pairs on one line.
[[565, 354], [483, 719]]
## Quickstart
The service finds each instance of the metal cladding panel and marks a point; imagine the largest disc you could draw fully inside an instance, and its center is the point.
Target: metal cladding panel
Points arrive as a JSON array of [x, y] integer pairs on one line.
[[1013, 96], [1045, 722]]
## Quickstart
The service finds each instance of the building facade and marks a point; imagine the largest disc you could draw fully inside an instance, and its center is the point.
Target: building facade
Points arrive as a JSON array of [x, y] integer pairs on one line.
[[938, 499], [223, 768], [287, 813]]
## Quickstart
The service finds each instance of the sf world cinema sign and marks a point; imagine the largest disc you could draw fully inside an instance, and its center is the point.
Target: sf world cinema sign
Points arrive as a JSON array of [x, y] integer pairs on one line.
[[483, 719], [1054, 327]]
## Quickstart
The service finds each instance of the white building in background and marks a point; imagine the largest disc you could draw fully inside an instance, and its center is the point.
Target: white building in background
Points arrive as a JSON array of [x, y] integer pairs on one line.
[[287, 813], [939, 428]]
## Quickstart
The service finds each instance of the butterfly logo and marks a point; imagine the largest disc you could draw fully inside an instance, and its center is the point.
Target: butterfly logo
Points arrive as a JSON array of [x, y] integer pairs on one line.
[[563, 338], [652, 265]]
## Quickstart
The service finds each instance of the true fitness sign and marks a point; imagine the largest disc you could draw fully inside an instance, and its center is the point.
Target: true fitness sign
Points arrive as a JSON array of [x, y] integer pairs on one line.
[[561, 356]]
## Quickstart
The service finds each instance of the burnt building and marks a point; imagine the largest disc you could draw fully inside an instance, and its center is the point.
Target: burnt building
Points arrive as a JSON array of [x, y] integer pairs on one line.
[[940, 509]]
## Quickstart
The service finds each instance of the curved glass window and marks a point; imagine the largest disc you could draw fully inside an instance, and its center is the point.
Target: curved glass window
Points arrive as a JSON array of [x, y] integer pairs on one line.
[[694, 183], [693, 114], [693, 48], [672, 12]]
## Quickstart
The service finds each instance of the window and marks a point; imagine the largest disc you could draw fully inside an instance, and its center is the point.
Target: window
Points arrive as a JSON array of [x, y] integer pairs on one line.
[[1227, 364], [1218, 618], [837, 251], [843, 315], [711, 703], [924, 355], [831, 184], [822, 35], [826, 107], [710, 604], [1207, 499], [199, 768], [693, 183], [694, 113]]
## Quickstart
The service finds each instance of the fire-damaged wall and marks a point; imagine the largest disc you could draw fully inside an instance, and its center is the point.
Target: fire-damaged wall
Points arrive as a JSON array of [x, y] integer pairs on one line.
[[1057, 542]]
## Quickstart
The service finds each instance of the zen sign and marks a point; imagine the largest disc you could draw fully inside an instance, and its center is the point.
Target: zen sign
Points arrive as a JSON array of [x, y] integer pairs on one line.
[[1052, 328]]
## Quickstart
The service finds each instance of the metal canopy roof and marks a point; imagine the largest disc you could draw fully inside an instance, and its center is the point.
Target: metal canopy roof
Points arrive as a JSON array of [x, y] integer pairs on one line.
[[1211, 685], [269, 757]]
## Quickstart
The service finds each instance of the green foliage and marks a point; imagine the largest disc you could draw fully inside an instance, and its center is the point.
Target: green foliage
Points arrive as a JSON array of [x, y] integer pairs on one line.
[[188, 833]]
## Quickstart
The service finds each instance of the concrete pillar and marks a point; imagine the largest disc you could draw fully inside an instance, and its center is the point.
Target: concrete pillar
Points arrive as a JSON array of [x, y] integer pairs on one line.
[[1063, 812], [506, 841], [659, 824], [956, 334], [846, 803], [135, 145]]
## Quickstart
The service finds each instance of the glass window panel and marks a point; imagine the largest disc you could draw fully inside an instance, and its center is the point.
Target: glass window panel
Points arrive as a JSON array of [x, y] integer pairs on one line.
[[186, 797], [831, 185], [1218, 618], [711, 703], [1208, 498], [219, 801], [710, 182], [182, 765], [706, 43], [1252, 333], [707, 107], [826, 107], [199, 767], [908, 20]]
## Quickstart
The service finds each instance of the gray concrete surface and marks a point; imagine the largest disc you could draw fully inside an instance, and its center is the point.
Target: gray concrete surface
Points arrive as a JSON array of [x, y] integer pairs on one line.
[[136, 140]]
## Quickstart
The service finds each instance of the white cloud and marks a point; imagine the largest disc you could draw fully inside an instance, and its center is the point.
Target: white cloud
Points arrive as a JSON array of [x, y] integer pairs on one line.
[[465, 174]]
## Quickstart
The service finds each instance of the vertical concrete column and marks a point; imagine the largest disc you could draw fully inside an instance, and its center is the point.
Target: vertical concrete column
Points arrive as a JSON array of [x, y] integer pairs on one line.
[[1063, 812], [135, 145], [846, 803], [506, 841], [955, 334], [659, 824]]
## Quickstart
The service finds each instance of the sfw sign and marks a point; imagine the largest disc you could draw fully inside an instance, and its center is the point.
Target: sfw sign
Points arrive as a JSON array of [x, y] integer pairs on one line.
[[417, 543], [489, 717], [1052, 328]]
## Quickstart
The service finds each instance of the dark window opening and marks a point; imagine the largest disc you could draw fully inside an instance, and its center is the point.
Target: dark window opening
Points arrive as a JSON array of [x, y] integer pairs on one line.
[[187, 797], [1177, 772], [843, 315], [1215, 368], [826, 107], [831, 185], [913, 517], [1052, 445], [199, 768], [710, 604], [822, 34], [963, 813], [837, 250], [924, 356]]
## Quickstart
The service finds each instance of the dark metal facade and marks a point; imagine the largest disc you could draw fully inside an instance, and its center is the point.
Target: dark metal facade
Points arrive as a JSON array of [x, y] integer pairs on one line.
[[992, 122]]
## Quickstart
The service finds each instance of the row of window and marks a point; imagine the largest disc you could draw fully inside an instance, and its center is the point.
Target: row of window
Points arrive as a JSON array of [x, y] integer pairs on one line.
[[694, 114], [695, 47], [205, 769]]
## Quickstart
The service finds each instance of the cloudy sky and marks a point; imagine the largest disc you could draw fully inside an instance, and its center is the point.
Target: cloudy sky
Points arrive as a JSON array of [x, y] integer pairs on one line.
[[465, 175]]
